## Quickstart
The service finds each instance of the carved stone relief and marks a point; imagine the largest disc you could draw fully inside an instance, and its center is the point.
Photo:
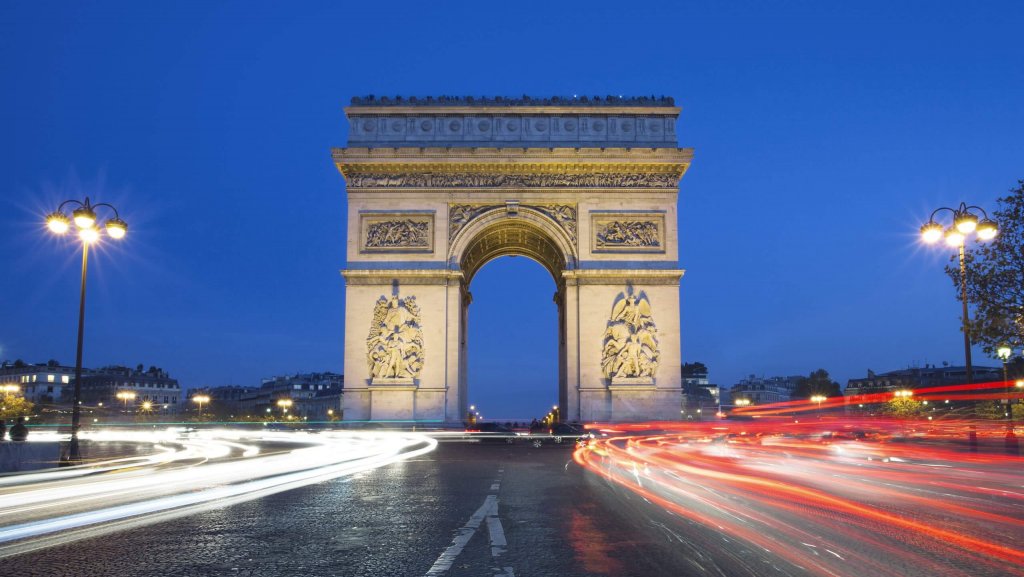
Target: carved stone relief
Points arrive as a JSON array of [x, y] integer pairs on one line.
[[459, 215], [630, 345], [628, 232], [395, 343], [492, 180], [397, 232]]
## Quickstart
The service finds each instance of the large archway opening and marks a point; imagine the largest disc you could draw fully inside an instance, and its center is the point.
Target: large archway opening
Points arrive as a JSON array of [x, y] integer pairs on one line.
[[515, 368], [513, 340]]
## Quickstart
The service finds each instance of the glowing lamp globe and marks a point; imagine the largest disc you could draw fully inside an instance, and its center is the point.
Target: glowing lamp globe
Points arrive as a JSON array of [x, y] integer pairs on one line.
[[987, 230], [84, 217], [966, 222], [58, 223], [89, 235], [117, 228], [954, 237], [931, 232]]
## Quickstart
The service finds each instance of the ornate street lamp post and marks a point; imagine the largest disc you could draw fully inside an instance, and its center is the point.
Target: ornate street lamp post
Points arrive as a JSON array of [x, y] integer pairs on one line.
[[818, 399], [84, 218], [1004, 353], [126, 396], [965, 222], [284, 404], [200, 400]]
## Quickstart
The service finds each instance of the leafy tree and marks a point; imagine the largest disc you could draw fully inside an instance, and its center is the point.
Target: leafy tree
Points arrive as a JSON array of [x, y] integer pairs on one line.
[[992, 410], [903, 407], [13, 406], [995, 278], [817, 383]]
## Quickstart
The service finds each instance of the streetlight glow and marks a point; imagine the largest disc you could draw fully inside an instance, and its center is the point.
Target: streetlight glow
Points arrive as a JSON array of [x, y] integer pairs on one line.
[[931, 233], [987, 230], [201, 399], [954, 237], [89, 235], [1004, 352], [58, 222], [117, 228], [965, 222], [84, 217]]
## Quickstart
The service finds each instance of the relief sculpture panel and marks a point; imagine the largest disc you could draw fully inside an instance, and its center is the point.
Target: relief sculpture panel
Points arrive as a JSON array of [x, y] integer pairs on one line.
[[397, 232], [630, 353], [628, 232], [395, 343]]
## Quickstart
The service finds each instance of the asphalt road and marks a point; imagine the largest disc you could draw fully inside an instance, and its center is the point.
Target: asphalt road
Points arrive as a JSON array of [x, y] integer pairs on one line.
[[464, 509], [645, 507]]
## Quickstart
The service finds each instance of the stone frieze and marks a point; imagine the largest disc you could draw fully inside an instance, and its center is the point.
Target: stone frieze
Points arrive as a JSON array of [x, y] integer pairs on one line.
[[485, 180]]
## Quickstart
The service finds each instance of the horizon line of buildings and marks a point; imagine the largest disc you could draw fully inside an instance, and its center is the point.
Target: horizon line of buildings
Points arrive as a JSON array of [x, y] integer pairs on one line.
[[319, 395], [315, 396]]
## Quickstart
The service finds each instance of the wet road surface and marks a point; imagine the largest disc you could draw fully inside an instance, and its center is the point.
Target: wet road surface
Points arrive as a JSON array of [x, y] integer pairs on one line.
[[463, 509]]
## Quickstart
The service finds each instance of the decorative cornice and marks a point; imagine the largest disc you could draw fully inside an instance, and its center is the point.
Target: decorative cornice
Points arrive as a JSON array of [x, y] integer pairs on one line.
[[618, 276], [515, 167], [504, 155], [427, 110], [403, 276], [584, 101]]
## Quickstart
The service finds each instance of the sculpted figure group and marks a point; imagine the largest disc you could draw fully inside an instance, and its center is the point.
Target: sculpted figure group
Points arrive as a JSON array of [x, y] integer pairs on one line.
[[630, 341], [398, 233], [395, 343], [639, 233]]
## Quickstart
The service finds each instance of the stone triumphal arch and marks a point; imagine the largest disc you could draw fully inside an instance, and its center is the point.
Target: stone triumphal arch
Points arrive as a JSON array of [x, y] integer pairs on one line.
[[439, 187]]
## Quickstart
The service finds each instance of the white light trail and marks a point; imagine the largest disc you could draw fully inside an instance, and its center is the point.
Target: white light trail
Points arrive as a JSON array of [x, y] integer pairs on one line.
[[53, 507]]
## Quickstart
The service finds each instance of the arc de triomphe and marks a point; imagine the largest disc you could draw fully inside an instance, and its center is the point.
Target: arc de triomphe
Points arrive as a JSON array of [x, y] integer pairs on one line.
[[439, 187]]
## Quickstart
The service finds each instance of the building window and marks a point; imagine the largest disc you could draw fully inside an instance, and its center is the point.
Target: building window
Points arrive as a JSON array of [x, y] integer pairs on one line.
[[50, 378], [34, 378]]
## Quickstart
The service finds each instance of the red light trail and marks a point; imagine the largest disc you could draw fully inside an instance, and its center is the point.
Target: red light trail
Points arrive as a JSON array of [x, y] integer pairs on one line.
[[853, 497]]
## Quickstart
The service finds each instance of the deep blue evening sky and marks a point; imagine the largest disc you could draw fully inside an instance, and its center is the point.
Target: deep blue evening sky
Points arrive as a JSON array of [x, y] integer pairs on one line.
[[824, 137]]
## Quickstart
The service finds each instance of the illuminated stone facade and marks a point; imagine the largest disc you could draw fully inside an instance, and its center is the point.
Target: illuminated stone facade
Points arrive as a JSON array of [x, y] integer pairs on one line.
[[437, 189]]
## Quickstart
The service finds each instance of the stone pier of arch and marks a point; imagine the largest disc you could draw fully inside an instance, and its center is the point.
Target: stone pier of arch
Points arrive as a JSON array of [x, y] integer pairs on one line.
[[435, 191]]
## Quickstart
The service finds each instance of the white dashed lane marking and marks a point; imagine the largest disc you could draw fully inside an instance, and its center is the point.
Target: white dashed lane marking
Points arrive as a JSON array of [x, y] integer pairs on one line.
[[489, 512]]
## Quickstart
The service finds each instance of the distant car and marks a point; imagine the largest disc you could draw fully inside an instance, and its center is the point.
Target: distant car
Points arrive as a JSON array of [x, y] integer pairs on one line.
[[493, 433], [561, 433]]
